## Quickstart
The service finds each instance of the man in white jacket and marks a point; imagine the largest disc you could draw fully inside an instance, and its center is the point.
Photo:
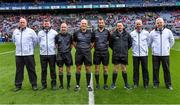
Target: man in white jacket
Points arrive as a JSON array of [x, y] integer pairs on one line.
[[46, 38], [25, 40], [140, 43], [162, 40]]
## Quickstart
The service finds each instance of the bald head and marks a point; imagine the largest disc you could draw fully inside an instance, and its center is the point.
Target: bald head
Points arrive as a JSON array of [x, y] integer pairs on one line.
[[63, 28], [138, 24], [159, 23], [84, 21], [84, 24], [138, 21], [22, 23]]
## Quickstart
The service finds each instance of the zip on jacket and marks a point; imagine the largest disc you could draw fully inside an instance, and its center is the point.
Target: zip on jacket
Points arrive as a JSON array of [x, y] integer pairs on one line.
[[139, 42], [47, 42]]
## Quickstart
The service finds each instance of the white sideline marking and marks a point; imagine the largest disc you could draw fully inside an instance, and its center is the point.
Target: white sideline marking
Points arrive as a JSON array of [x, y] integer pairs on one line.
[[91, 94], [6, 52]]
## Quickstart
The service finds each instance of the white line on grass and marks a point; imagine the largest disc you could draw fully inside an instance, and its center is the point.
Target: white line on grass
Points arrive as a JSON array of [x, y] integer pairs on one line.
[[91, 94], [6, 52]]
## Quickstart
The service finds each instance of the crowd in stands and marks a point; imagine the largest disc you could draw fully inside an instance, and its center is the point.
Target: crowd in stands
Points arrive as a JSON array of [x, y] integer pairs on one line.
[[8, 22], [79, 1], [69, 2]]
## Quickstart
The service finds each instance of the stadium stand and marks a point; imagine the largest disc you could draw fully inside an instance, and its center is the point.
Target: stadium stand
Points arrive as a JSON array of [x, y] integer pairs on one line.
[[9, 21]]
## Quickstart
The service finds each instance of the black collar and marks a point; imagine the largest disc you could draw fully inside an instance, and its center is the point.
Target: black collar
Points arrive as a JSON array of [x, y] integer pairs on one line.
[[102, 30], [157, 29], [21, 29], [139, 30]]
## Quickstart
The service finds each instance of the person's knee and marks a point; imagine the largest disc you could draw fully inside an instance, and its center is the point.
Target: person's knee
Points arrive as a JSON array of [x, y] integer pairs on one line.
[[123, 68], [105, 69], [115, 68], [88, 69], [97, 69], [68, 69], [78, 70], [60, 70]]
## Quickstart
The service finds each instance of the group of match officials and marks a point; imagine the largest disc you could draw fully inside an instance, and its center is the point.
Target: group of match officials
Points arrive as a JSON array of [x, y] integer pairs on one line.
[[55, 48]]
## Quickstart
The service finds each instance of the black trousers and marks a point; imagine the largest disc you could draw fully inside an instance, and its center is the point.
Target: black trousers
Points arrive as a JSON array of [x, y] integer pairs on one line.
[[157, 60], [45, 60], [144, 64], [29, 62]]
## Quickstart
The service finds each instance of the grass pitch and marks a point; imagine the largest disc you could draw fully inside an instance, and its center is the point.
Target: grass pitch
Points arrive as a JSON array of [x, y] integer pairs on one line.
[[117, 96]]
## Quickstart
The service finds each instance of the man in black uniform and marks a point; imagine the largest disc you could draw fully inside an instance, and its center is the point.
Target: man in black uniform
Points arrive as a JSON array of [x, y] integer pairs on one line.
[[63, 43], [120, 43], [83, 43], [101, 54]]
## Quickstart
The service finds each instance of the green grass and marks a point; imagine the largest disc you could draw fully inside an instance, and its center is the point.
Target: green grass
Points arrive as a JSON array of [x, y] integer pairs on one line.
[[5, 47], [177, 45], [27, 96], [117, 96]]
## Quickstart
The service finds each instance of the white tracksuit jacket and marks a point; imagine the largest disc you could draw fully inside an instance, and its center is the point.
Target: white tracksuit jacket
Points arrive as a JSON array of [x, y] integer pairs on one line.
[[161, 42], [47, 42], [25, 41], [140, 43]]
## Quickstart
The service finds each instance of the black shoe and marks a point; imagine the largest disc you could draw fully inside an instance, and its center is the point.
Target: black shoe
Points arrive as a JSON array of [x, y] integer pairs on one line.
[[145, 86], [61, 87], [155, 86], [17, 89], [89, 88], [126, 86], [135, 86], [77, 88], [43, 87], [53, 87], [68, 87], [97, 86], [34, 88], [105, 87], [170, 87], [113, 86]]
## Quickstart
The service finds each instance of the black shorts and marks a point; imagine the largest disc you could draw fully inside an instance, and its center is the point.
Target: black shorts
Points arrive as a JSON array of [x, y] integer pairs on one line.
[[83, 56], [120, 60], [101, 56], [64, 58]]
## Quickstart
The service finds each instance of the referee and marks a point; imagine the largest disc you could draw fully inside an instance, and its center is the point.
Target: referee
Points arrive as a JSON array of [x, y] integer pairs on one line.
[[63, 43], [120, 43], [47, 53], [25, 40], [140, 43], [82, 40], [162, 40], [101, 54]]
